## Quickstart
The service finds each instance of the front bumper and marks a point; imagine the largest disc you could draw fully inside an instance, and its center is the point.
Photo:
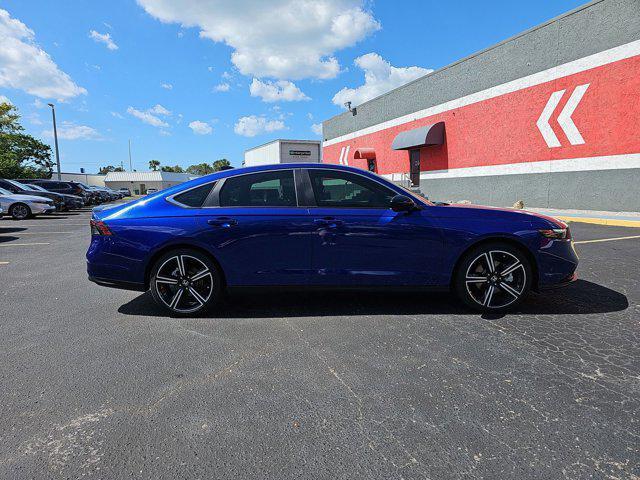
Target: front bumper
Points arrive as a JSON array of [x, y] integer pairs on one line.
[[38, 208]]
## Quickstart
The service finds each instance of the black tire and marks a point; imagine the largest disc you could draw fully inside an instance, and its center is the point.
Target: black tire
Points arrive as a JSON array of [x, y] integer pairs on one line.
[[199, 284], [20, 211], [494, 290]]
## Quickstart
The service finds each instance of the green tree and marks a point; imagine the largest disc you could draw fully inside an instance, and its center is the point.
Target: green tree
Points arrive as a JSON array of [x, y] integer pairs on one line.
[[154, 164], [222, 164], [21, 155], [175, 169], [109, 168], [200, 169]]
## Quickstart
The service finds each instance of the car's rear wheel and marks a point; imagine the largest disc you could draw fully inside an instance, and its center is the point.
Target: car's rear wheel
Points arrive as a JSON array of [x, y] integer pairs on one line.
[[186, 282], [20, 211], [494, 277]]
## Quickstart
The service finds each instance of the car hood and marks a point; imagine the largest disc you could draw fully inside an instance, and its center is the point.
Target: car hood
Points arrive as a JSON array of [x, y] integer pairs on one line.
[[18, 197], [493, 213]]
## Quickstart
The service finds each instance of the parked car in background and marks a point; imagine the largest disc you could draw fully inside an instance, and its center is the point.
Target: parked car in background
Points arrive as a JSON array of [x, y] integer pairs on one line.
[[151, 190], [72, 202], [16, 187], [66, 187], [125, 191], [21, 206], [321, 225]]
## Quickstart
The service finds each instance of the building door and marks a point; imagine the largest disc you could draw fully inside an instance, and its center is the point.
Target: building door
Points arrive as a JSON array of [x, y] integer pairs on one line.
[[414, 167], [143, 189]]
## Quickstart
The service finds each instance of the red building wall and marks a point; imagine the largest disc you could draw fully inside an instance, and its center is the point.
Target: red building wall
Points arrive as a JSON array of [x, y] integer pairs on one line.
[[502, 129]]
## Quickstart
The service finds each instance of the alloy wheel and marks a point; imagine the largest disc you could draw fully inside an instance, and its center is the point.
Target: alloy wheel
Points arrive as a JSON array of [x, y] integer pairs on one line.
[[184, 283], [495, 279], [20, 211]]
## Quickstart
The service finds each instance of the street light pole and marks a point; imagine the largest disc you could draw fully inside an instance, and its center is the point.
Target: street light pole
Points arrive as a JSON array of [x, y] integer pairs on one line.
[[55, 137]]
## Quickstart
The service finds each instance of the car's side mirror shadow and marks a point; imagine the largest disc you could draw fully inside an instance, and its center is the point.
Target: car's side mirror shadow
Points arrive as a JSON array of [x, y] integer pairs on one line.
[[402, 203]]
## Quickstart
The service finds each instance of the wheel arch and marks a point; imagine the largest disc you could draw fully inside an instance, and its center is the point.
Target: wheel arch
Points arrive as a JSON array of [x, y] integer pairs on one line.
[[177, 246], [502, 239]]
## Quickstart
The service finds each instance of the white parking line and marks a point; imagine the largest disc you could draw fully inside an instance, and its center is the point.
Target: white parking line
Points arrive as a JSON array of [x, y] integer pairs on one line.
[[23, 244], [607, 239], [4, 263], [12, 234], [17, 224]]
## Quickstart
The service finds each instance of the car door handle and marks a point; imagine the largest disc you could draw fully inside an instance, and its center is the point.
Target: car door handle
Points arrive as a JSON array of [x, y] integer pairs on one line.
[[224, 222], [328, 222]]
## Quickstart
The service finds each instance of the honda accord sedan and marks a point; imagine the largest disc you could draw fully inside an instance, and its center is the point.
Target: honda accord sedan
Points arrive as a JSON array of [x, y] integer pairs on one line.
[[329, 226]]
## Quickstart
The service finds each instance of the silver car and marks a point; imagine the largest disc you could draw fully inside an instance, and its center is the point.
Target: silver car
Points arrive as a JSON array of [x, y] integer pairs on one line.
[[24, 206]]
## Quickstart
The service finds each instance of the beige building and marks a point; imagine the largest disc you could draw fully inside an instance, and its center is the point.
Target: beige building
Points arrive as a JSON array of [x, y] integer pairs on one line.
[[139, 182], [284, 151]]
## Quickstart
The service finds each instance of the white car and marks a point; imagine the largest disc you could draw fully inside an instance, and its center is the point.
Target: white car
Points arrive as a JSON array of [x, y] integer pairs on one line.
[[24, 206]]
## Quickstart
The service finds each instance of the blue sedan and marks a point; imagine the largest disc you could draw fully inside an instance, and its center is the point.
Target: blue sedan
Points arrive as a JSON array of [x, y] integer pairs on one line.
[[302, 225]]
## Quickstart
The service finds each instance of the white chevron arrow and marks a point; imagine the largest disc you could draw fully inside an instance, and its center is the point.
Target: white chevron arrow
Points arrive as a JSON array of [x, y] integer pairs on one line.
[[564, 119]]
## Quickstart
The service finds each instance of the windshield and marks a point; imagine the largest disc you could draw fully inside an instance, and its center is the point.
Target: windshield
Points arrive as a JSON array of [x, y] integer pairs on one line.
[[38, 188], [19, 185], [4, 192]]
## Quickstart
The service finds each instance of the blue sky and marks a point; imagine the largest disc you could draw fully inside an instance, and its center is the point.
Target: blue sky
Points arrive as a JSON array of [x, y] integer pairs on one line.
[[277, 71]]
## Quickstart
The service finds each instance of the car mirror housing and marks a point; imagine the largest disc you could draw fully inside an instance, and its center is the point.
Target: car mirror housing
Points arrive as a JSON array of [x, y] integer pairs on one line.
[[402, 203]]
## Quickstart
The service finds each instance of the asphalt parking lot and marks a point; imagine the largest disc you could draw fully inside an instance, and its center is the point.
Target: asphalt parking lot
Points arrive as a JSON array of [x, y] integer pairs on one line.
[[99, 383]]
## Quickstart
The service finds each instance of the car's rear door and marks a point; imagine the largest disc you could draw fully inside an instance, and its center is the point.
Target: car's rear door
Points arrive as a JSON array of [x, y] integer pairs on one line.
[[359, 240], [258, 231]]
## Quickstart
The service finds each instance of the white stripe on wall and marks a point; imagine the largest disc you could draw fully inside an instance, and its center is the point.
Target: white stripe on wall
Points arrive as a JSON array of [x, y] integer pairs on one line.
[[345, 160], [608, 162], [596, 60]]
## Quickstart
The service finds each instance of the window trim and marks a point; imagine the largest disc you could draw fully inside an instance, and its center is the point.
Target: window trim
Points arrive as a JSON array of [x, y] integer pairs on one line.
[[313, 195], [171, 198]]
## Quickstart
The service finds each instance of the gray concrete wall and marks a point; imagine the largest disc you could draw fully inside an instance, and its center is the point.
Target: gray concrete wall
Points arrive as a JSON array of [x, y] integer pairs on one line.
[[590, 29], [610, 190]]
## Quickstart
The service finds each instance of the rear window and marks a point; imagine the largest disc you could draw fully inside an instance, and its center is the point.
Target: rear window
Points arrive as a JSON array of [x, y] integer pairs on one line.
[[195, 197]]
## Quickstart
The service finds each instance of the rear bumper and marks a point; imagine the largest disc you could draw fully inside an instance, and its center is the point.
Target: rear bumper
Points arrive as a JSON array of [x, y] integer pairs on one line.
[[120, 284]]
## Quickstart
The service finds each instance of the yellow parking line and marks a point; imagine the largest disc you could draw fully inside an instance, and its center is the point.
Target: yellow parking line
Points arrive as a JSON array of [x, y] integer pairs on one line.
[[607, 239], [22, 244], [612, 222]]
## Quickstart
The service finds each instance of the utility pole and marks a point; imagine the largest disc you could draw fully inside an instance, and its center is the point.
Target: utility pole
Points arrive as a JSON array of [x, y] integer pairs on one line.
[[130, 164], [55, 137]]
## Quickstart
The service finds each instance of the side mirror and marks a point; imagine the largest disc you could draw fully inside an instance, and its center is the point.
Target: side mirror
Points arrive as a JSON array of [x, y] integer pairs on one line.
[[402, 203]]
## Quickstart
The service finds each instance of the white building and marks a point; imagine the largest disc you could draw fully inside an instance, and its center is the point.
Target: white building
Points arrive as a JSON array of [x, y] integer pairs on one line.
[[284, 151], [86, 178], [140, 182]]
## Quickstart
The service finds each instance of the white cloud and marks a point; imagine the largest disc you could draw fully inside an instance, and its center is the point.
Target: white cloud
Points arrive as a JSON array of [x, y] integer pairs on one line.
[[253, 125], [226, 75], [107, 25], [279, 91], [71, 131], [379, 77], [25, 66], [210, 69], [283, 39], [222, 87], [317, 128], [103, 38], [166, 86], [159, 110], [200, 128], [147, 117]]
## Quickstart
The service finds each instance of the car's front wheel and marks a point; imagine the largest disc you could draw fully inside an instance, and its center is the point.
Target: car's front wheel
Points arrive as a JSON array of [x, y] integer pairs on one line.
[[20, 211], [186, 282], [493, 277]]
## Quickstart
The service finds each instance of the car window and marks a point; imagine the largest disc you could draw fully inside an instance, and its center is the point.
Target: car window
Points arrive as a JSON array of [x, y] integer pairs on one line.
[[4, 192], [348, 190], [267, 189], [194, 197]]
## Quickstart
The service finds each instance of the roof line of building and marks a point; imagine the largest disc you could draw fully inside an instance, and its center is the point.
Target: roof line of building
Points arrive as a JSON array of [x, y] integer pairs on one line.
[[282, 140]]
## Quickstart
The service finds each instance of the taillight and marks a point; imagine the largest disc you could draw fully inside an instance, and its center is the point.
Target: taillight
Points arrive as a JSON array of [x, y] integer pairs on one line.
[[99, 228]]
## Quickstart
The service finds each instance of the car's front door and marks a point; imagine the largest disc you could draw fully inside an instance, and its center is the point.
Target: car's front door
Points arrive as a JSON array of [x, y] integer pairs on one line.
[[359, 240], [257, 230]]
